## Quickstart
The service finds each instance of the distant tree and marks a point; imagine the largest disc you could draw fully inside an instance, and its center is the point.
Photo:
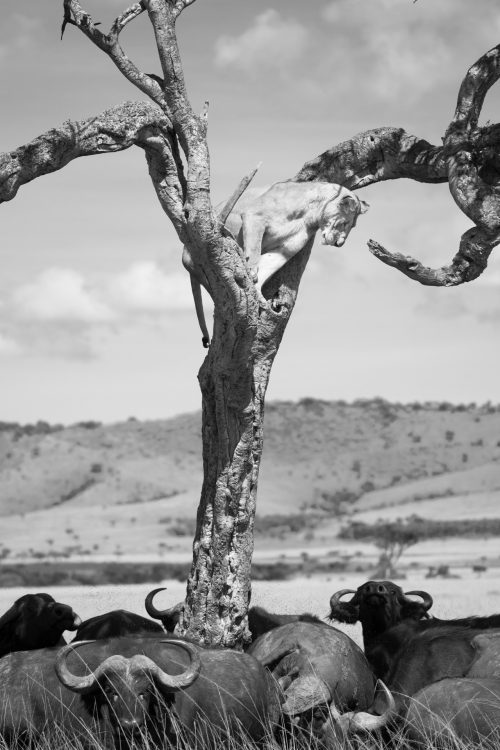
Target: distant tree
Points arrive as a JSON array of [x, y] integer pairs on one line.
[[392, 538]]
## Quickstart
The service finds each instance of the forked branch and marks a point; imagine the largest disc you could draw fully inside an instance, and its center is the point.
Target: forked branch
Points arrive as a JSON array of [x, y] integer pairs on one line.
[[469, 160], [140, 124], [109, 43]]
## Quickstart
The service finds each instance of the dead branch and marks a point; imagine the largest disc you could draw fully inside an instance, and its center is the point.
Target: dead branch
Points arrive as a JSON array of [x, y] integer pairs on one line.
[[468, 160], [374, 156], [108, 43], [115, 129], [124, 18], [180, 5], [236, 195], [467, 265]]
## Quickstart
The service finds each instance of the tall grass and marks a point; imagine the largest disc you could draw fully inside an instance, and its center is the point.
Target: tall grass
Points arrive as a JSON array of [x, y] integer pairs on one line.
[[172, 736]]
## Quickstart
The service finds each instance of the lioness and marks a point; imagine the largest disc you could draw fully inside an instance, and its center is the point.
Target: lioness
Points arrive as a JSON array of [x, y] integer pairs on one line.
[[276, 224]]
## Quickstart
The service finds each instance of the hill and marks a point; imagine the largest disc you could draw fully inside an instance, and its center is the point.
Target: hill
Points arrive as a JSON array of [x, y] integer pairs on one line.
[[122, 488]]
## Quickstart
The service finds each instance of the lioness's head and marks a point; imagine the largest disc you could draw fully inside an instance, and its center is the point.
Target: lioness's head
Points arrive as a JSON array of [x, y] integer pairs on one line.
[[339, 217]]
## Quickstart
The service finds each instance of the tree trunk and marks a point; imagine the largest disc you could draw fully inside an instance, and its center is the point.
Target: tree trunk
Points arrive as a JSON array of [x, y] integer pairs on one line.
[[233, 381]]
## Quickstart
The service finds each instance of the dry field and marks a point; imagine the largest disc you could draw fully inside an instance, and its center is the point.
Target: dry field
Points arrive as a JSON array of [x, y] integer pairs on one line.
[[467, 595]]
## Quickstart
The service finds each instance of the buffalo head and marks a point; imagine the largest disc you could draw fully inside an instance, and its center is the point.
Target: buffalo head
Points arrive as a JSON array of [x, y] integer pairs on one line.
[[127, 688], [35, 621], [379, 605], [169, 617]]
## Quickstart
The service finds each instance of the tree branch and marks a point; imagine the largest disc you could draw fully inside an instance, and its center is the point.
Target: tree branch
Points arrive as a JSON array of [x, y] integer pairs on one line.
[[469, 160], [108, 43], [374, 156], [235, 196], [477, 198], [467, 265], [180, 5], [115, 129]]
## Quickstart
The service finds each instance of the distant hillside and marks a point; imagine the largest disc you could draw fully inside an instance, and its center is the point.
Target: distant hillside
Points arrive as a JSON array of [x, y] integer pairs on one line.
[[109, 487]]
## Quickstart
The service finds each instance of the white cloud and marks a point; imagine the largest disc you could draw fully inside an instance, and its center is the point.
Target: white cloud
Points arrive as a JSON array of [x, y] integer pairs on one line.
[[60, 294], [401, 48], [146, 287], [8, 346], [271, 41], [61, 313]]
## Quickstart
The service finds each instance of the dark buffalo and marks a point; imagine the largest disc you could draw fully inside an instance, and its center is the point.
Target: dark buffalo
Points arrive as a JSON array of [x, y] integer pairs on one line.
[[318, 666], [114, 624], [455, 711], [169, 617], [34, 698], [232, 690], [35, 621], [390, 619], [261, 621], [439, 653], [98, 686]]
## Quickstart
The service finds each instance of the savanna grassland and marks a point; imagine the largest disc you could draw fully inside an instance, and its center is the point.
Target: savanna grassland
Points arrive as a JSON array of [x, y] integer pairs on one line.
[[129, 491]]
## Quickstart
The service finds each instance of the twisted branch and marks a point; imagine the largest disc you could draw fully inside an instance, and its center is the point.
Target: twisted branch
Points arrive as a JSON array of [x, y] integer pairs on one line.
[[468, 160]]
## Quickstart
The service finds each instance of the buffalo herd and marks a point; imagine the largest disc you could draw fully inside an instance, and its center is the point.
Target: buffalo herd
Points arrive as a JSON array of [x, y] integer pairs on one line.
[[124, 677]]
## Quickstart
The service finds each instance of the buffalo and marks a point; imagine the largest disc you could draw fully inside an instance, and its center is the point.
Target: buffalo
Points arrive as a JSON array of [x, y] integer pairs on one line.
[[319, 667], [435, 655], [455, 711], [261, 621], [39, 693], [114, 624], [229, 690], [169, 617], [35, 621], [390, 619]]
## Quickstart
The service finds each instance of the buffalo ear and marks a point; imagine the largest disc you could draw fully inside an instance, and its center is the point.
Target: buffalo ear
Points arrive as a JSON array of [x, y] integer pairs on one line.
[[413, 610], [363, 207], [8, 623], [345, 612]]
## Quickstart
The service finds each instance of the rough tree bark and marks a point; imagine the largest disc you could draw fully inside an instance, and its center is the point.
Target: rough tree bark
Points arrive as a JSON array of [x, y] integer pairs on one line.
[[247, 333]]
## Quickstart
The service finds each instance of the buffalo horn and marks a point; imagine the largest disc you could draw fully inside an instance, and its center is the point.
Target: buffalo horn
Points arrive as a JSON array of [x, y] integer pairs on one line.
[[159, 614], [365, 722], [335, 598], [81, 683], [117, 663], [170, 681], [427, 601]]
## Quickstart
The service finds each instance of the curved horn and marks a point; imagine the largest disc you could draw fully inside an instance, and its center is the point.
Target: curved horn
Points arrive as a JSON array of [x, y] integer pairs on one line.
[[427, 600], [160, 614], [164, 679], [335, 598], [365, 722], [80, 683], [151, 609]]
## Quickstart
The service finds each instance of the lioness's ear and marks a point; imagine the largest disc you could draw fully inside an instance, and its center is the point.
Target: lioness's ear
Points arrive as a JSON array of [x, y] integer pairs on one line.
[[349, 203], [364, 206]]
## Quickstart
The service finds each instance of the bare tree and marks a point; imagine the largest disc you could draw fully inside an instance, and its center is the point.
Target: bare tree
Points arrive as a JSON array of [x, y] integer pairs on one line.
[[248, 331]]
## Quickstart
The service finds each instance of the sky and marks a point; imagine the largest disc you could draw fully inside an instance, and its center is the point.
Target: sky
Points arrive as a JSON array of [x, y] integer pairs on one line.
[[96, 319]]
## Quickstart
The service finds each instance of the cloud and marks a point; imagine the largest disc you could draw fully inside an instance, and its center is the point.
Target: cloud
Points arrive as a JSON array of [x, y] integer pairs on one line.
[[61, 313], [271, 41], [405, 49], [8, 347], [145, 287], [59, 294]]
